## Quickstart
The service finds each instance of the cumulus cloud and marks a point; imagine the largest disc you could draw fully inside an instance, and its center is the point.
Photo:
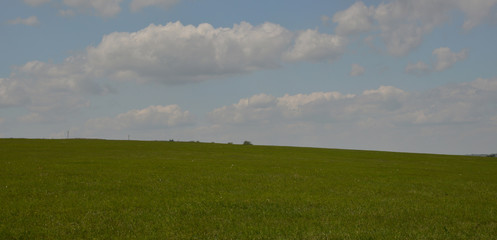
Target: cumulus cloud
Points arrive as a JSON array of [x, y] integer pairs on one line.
[[264, 108], [310, 45], [357, 70], [402, 24], [136, 5], [444, 59], [175, 53], [169, 54], [152, 117], [356, 19], [44, 87], [30, 21], [386, 118], [457, 103]]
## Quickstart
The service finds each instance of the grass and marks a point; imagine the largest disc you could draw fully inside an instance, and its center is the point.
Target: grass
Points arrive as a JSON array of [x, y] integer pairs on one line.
[[98, 189]]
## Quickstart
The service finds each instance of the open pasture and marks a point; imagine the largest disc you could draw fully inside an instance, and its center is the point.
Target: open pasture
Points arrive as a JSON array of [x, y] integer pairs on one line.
[[101, 189]]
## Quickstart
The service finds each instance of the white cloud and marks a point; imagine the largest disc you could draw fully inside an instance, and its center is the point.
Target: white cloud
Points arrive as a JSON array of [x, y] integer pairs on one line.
[[35, 3], [30, 21], [476, 11], [458, 103], [403, 24], [357, 70], [136, 5], [152, 117], [386, 118], [170, 54], [420, 68], [46, 87], [104, 8], [444, 59], [175, 53], [310, 45], [356, 19]]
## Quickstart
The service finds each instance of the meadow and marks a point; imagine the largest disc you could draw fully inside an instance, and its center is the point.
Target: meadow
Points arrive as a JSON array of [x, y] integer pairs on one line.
[[102, 189]]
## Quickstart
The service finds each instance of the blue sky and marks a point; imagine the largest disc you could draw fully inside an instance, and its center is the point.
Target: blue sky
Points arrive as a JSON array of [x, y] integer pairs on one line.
[[411, 75]]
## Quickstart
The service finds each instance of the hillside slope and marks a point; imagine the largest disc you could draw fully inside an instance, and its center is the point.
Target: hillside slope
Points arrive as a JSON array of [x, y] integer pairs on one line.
[[84, 189]]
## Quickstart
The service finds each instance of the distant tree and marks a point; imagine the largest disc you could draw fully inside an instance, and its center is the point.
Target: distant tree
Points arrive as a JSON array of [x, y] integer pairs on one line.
[[247, 143]]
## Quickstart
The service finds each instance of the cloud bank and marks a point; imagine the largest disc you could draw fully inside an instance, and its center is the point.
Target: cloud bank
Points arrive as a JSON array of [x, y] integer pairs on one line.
[[385, 118], [169, 54], [402, 24], [440, 120], [451, 104]]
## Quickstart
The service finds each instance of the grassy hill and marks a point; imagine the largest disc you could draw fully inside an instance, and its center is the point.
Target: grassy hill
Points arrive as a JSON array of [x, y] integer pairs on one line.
[[86, 189]]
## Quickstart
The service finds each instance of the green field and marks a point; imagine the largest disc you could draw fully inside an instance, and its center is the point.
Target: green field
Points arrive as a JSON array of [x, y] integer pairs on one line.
[[100, 189]]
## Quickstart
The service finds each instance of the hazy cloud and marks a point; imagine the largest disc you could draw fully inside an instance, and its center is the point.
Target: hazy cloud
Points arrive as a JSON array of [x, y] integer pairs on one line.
[[444, 59], [152, 117], [476, 11], [136, 5], [325, 19], [357, 70], [35, 3], [384, 118], [402, 24], [67, 13], [356, 19], [104, 8], [420, 68], [30, 21], [45, 87]]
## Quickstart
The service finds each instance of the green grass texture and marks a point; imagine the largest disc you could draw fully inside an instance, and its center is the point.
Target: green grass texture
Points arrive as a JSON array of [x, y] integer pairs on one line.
[[103, 189]]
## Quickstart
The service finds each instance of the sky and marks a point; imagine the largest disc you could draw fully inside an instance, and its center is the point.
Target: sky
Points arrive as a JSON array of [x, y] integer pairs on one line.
[[406, 75]]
